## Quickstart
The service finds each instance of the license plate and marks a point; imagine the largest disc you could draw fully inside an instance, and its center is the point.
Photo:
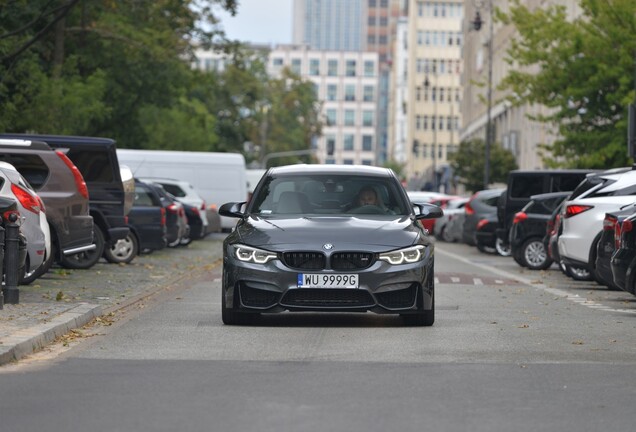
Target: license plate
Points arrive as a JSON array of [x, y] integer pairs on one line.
[[320, 280]]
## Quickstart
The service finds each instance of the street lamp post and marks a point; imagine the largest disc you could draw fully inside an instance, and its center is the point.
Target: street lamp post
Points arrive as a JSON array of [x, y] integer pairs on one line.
[[427, 85], [477, 23]]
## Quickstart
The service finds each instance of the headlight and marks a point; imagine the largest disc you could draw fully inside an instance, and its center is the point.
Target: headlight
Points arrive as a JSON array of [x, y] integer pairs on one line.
[[404, 256], [254, 255]]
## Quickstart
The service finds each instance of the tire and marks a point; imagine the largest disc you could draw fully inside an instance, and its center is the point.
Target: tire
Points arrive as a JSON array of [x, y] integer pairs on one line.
[[27, 279], [579, 273], [230, 316], [446, 236], [534, 255], [86, 260], [424, 318], [486, 249], [517, 258], [502, 248], [123, 251]]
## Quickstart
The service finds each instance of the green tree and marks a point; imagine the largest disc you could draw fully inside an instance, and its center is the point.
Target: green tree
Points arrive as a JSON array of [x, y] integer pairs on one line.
[[582, 70], [468, 163], [290, 120], [80, 67]]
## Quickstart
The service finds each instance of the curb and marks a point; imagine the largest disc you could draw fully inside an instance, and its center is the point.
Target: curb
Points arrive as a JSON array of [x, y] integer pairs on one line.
[[28, 341]]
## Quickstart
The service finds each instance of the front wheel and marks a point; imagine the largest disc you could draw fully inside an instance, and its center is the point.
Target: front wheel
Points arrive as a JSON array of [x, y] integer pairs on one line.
[[87, 259], [231, 316], [123, 251], [534, 255], [502, 247]]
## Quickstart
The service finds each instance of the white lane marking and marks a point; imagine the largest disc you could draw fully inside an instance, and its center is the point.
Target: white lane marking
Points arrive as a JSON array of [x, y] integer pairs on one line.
[[477, 281], [554, 291], [498, 281], [436, 281], [455, 279]]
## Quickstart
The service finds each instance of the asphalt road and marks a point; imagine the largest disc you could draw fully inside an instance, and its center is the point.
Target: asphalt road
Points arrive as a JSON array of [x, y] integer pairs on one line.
[[510, 350]]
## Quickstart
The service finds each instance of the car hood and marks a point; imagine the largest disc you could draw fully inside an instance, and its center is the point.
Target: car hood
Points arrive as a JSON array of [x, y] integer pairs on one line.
[[344, 233]]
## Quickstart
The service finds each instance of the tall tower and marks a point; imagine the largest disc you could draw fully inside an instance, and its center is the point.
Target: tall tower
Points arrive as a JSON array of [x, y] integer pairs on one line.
[[333, 25]]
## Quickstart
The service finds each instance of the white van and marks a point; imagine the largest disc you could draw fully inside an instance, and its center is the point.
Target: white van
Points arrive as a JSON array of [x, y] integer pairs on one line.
[[218, 177]]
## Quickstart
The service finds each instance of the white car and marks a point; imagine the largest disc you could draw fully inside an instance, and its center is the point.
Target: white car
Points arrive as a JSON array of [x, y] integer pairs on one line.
[[444, 226], [582, 218], [33, 223]]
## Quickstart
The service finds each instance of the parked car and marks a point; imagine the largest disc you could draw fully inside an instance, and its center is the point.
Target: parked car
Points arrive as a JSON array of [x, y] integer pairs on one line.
[[177, 229], [529, 228], [96, 158], [196, 208], [523, 184], [301, 251], [486, 233], [147, 223], [623, 261], [607, 244], [30, 208], [443, 228], [480, 205], [435, 198], [63, 191], [8, 208], [583, 215]]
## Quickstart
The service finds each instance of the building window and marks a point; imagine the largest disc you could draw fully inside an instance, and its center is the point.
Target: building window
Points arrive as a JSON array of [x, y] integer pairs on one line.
[[331, 145], [418, 122], [369, 68], [330, 161], [332, 68], [371, 21], [367, 143], [350, 68], [277, 61], [295, 66], [367, 162], [349, 118], [348, 142], [350, 92], [348, 162], [332, 92], [369, 94], [314, 67], [384, 21], [331, 117], [367, 118]]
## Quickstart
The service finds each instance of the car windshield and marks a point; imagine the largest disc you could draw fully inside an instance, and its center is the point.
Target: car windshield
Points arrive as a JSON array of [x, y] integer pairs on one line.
[[329, 194]]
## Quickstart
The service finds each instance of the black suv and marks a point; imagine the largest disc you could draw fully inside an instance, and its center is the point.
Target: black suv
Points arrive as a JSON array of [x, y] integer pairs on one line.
[[61, 187], [528, 230], [97, 161], [523, 184]]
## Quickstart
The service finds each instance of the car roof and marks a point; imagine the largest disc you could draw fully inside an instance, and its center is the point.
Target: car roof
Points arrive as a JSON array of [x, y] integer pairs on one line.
[[18, 143], [58, 140], [329, 169], [549, 195]]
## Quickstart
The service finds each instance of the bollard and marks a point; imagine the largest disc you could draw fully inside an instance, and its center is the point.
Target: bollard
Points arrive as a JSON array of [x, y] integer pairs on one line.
[[1, 263], [11, 259]]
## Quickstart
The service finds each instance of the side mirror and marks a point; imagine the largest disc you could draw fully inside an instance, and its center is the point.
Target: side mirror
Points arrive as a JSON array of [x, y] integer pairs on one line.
[[232, 209], [427, 211]]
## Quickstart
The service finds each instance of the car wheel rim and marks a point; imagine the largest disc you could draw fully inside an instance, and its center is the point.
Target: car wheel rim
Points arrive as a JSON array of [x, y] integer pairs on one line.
[[535, 253], [122, 249], [502, 248], [579, 272]]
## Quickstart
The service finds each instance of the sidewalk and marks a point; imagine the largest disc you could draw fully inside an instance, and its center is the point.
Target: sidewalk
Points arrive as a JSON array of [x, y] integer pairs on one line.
[[65, 299]]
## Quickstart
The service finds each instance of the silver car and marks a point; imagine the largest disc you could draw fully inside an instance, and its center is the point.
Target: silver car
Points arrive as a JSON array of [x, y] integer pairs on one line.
[[32, 223]]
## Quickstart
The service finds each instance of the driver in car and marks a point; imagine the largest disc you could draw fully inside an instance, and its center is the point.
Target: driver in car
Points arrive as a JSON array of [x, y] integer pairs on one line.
[[367, 196]]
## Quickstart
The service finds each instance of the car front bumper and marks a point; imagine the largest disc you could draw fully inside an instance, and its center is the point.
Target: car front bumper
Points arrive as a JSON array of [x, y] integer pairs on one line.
[[383, 288]]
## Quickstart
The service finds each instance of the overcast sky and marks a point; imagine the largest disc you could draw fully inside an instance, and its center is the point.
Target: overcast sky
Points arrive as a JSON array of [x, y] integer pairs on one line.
[[260, 21]]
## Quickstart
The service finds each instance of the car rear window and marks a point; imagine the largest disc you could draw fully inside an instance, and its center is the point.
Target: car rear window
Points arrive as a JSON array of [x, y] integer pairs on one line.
[[94, 165], [31, 166], [526, 186], [589, 183], [174, 190]]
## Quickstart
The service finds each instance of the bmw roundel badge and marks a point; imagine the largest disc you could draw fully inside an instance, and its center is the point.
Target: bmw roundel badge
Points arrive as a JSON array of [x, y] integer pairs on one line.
[[327, 246]]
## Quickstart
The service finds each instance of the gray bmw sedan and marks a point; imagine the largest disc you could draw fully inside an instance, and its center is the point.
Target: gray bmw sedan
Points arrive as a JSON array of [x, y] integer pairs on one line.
[[339, 238]]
